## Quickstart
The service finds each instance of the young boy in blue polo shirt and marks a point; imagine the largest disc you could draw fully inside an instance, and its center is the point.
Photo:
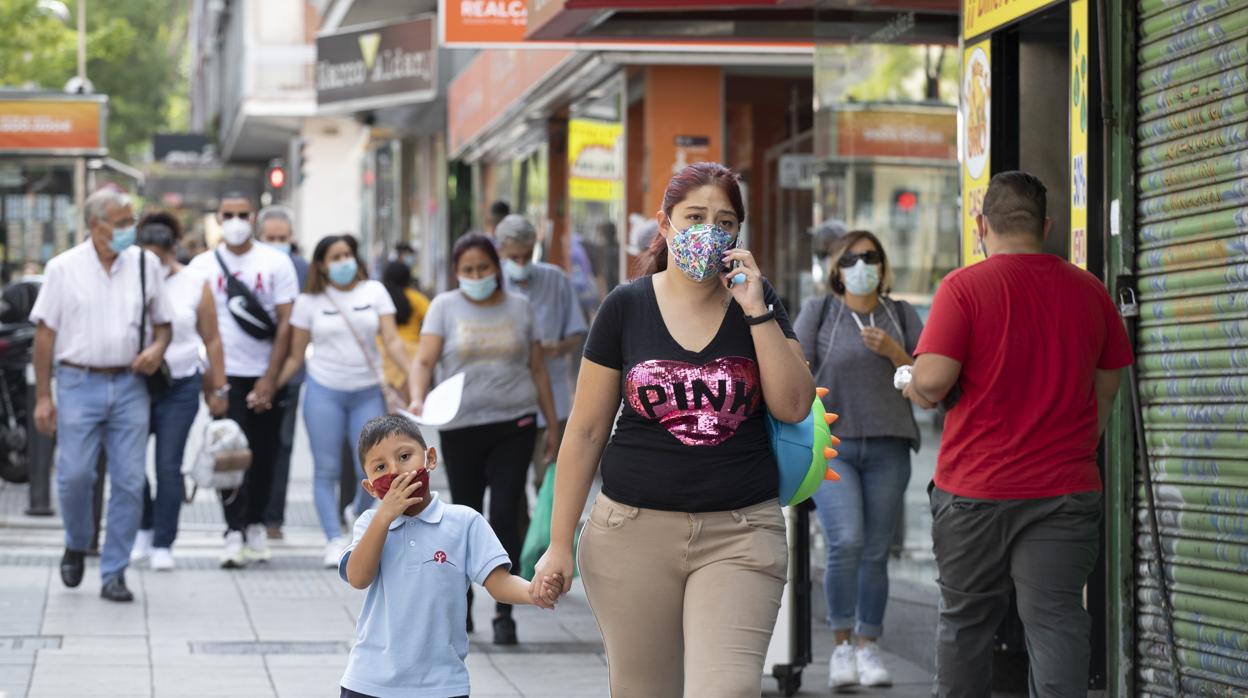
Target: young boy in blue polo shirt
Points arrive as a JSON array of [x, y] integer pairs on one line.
[[417, 556]]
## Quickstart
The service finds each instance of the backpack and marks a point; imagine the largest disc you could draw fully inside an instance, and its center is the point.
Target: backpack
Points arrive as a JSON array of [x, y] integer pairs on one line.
[[223, 458]]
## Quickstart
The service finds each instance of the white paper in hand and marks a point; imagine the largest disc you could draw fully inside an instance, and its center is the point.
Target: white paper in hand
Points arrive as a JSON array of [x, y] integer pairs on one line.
[[442, 403]]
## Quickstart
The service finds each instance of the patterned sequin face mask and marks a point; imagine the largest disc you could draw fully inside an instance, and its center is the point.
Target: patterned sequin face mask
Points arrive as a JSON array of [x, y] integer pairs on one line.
[[699, 250]]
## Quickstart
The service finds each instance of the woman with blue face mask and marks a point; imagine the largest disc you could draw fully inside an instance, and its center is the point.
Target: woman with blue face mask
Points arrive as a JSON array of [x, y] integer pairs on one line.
[[340, 315], [490, 336], [854, 339]]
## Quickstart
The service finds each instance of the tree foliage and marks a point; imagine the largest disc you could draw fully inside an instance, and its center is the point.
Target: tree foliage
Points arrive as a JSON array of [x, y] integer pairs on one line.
[[135, 53]]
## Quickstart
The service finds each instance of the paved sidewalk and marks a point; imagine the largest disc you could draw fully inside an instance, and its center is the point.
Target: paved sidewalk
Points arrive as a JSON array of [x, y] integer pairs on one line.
[[280, 629]]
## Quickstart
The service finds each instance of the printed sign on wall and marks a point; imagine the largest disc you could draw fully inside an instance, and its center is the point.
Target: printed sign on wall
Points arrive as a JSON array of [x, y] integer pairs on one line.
[[1079, 133], [975, 140]]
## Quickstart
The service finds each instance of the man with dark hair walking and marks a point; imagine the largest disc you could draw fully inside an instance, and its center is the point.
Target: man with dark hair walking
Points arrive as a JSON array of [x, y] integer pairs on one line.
[[254, 286], [498, 211], [1035, 345]]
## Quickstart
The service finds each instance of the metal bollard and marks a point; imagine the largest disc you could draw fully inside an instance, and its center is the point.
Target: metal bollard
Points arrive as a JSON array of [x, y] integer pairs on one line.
[[39, 450]]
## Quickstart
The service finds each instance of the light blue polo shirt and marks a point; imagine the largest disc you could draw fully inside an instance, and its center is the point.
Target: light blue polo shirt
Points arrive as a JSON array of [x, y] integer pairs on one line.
[[410, 638]]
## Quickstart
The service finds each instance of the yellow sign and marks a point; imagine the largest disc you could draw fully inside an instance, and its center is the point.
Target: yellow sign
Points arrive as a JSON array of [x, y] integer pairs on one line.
[[1079, 133], [595, 160], [975, 141], [979, 16]]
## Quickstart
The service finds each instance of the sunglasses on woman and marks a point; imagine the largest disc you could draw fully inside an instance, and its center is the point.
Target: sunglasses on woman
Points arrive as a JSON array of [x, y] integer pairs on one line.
[[849, 259], [244, 215]]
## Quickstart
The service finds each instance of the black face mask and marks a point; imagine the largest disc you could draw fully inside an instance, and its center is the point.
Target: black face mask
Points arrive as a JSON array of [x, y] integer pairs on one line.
[[158, 235]]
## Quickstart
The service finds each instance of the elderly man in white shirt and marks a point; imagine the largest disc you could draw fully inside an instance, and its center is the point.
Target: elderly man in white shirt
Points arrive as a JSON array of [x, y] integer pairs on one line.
[[88, 318]]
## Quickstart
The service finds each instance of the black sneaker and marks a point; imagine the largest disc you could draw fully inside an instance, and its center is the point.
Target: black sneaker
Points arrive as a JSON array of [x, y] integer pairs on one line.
[[115, 590], [505, 631], [72, 564]]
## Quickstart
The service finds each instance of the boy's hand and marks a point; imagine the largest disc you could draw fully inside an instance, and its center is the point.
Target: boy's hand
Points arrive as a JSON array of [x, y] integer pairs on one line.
[[401, 496], [552, 589]]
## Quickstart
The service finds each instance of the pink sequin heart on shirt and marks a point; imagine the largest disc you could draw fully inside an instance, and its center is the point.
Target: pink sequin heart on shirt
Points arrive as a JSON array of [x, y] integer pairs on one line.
[[699, 405]]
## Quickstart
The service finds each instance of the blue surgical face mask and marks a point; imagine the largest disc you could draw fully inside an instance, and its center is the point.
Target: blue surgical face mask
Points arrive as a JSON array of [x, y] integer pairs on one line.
[[343, 271], [283, 247], [862, 278], [123, 238], [517, 272], [479, 289]]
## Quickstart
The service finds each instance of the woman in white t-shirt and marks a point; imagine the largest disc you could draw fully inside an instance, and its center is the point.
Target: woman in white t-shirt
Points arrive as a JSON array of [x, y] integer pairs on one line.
[[340, 314], [173, 411]]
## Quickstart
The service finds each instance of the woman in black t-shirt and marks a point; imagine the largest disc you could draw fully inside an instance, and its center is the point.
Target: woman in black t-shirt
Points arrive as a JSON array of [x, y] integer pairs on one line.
[[684, 557]]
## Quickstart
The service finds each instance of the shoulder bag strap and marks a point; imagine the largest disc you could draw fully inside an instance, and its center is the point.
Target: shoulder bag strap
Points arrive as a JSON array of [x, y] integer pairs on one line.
[[823, 317], [358, 340], [142, 298]]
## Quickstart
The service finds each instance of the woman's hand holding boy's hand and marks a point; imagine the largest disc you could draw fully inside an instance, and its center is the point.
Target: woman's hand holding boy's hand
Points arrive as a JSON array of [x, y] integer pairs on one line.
[[401, 496], [553, 575]]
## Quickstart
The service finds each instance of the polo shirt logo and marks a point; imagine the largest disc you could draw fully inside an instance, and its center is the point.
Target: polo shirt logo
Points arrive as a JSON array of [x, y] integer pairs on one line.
[[440, 558]]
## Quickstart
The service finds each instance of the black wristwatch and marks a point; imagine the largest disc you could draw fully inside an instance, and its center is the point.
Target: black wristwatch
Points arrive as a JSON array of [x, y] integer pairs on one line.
[[765, 317]]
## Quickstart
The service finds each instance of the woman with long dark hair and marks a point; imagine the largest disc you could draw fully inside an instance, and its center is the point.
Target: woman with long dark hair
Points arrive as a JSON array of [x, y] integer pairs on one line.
[[410, 307], [855, 338], [174, 410], [489, 335], [684, 557], [341, 313]]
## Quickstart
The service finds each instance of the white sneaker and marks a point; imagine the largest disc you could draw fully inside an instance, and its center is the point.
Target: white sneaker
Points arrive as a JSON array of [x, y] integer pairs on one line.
[[142, 546], [232, 557], [871, 671], [257, 549], [842, 667], [162, 560], [333, 552]]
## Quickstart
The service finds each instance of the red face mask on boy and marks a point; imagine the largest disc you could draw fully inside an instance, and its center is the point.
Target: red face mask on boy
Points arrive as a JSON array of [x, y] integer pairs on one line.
[[382, 484]]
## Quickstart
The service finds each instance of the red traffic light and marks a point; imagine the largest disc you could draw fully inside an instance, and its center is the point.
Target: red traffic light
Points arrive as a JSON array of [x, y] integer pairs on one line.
[[907, 200], [277, 177]]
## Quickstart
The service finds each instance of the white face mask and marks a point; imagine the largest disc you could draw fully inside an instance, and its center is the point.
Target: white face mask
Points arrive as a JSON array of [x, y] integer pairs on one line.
[[862, 279], [236, 231]]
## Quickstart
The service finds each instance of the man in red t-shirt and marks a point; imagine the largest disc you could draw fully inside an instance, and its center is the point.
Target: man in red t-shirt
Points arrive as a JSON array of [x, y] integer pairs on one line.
[[1035, 346]]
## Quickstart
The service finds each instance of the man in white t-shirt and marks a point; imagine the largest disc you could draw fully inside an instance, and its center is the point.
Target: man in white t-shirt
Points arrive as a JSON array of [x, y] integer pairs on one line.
[[254, 318]]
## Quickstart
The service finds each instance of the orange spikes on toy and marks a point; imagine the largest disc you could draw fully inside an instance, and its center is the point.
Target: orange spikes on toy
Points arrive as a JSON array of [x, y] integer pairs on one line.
[[831, 475], [835, 441], [831, 417], [821, 392], [830, 453]]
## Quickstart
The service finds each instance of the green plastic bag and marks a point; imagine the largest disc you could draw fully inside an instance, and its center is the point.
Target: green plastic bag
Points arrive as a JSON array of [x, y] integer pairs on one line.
[[537, 540]]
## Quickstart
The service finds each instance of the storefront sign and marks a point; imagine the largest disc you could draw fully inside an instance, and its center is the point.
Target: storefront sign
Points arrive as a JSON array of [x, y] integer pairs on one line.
[[495, 80], [798, 171], [871, 133], [595, 160], [469, 23], [1079, 133], [979, 16], [976, 137], [53, 125], [378, 66]]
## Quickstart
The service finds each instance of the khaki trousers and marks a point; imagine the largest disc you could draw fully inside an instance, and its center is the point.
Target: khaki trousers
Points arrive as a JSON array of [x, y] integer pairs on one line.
[[686, 602]]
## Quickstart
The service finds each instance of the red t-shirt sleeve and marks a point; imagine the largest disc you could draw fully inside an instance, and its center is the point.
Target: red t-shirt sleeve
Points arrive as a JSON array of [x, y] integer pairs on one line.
[[948, 328], [1117, 350]]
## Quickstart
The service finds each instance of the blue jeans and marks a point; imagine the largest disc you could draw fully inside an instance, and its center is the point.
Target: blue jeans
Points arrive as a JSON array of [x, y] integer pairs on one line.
[[173, 413], [859, 517], [111, 412], [334, 416]]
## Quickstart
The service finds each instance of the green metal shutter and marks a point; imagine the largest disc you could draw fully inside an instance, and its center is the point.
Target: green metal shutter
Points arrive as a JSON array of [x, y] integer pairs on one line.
[[1192, 222]]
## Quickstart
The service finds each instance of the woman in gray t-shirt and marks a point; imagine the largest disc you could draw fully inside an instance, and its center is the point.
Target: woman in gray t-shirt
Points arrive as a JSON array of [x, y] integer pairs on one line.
[[488, 334], [854, 340]]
